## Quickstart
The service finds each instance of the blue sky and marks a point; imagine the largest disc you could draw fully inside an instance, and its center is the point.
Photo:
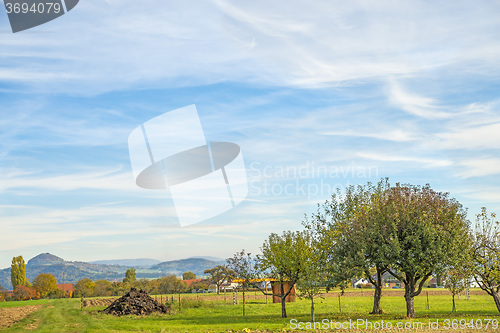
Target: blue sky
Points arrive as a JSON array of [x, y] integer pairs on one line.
[[318, 96]]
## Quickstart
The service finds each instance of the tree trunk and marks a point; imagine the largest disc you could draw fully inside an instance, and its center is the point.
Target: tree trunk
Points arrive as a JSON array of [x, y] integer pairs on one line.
[[496, 297], [410, 307], [376, 299], [243, 300], [453, 310], [312, 309], [378, 290], [283, 301]]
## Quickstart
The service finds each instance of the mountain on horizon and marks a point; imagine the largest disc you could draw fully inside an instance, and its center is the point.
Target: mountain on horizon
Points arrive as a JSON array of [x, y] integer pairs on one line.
[[73, 271], [44, 259], [216, 259], [195, 265], [141, 262]]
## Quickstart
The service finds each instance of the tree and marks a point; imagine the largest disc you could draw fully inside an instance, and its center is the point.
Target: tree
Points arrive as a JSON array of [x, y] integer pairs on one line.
[[459, 273], [199, 285], [130, 276], [18, 272], [44, 284], [456, 282], [351, 231], [246, 269], [219, 274], [2, 293], [103, 288], [486, 254], [424, 229], [84, 288], [287, 258], [23, 293], [188, 276], [171, 285], [309, 286]]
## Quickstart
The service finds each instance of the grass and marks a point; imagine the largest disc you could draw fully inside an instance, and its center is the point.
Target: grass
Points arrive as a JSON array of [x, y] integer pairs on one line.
[[65, 315]]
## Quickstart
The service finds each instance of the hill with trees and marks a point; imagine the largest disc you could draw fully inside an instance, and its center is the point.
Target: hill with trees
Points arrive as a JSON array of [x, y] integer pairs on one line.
[[77, 270]]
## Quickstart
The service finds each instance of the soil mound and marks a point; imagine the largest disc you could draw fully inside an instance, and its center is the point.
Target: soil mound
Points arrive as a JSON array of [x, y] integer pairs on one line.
[[135, 302]]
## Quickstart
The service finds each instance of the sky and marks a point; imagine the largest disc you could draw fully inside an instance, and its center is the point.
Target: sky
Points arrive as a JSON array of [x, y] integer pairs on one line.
[[318, 95]]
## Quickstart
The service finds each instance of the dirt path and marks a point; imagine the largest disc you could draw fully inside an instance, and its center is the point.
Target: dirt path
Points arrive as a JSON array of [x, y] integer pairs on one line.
[[10, 316]]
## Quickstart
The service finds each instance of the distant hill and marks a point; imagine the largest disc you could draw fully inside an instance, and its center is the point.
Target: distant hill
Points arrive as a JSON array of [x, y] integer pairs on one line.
[[104, 270], [209, 258], [128, 262], [177, 267], [45, 259]]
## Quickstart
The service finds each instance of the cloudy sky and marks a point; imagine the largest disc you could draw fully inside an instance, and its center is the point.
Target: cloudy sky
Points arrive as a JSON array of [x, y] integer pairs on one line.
[[318, 95]]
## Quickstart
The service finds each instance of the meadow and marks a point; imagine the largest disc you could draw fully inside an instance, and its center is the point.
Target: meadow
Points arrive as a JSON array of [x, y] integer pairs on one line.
[[202, 314]]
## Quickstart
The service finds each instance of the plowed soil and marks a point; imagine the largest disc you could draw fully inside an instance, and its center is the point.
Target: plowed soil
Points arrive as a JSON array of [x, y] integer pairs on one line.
[[10, 316], [97, 302]]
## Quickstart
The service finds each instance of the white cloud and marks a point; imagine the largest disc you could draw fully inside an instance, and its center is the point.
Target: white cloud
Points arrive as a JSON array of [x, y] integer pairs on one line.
[[103, 46], [416, 105], [427, 162], [479, 167], [97, 180], [389, 135], [473, 137]]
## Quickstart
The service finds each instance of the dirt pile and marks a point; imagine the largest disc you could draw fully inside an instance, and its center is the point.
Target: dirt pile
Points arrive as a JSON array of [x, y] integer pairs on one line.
[[135, 302]]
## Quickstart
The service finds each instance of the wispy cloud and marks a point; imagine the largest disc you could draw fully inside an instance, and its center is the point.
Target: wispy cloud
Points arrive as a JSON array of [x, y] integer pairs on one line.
[[110, 180], [104, 46], [416, 105]]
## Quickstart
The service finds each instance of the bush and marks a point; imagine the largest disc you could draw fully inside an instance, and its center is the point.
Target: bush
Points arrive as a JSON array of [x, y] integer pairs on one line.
[[23, 293]]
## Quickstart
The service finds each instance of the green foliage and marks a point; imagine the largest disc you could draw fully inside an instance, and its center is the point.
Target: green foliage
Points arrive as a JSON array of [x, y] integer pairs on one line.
[[219, 274], [45, 283], [130, 276], [171, 285], [486, 254], [425, 231], [18, 272], [84, 287], [103, 288], [310, 285], [288, 257], [200, 285], [244, 266], [188, 276], [351, 233]]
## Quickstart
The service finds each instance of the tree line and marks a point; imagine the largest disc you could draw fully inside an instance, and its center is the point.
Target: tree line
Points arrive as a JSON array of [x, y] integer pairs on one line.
[[45, 285], [409, 232]]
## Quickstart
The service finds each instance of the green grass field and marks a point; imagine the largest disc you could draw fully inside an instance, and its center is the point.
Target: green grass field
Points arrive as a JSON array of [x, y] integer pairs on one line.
[[65, 315]]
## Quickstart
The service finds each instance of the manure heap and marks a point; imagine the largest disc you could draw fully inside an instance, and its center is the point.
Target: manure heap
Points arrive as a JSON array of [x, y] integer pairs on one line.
[[135, 302]]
